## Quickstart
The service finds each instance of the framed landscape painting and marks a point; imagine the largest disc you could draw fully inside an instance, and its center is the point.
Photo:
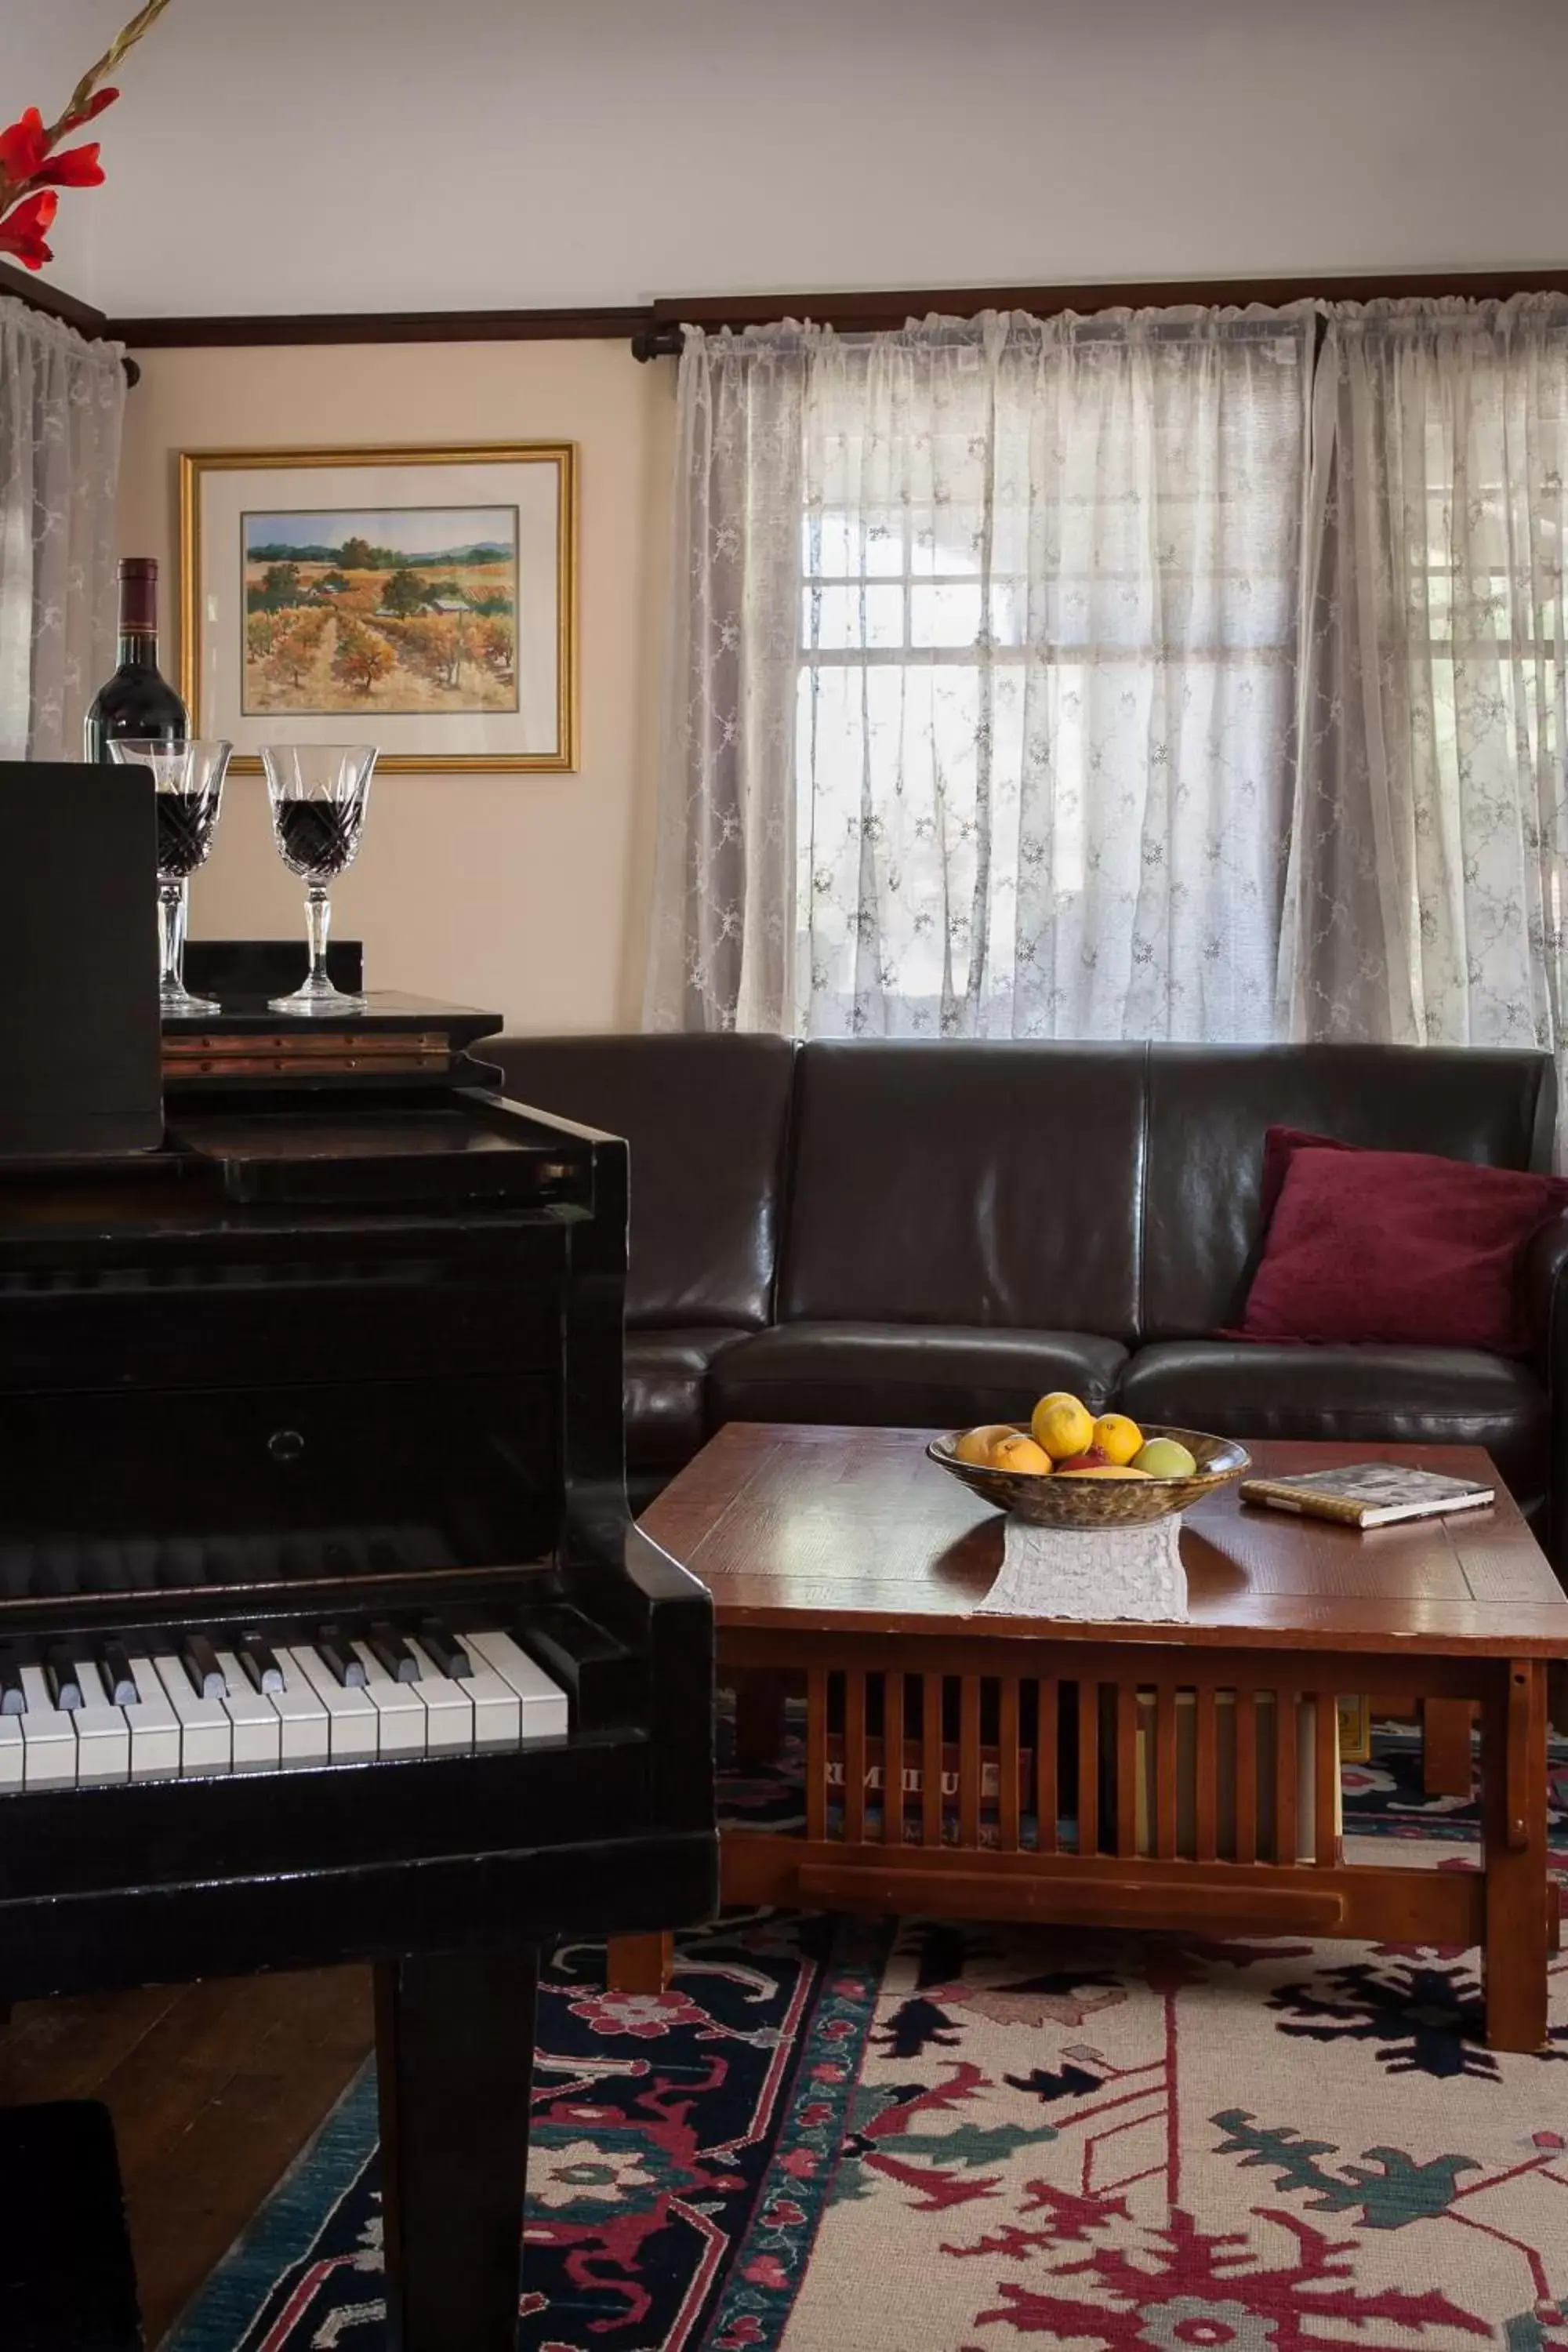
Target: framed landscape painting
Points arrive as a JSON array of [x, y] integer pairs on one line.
[[423, 600]]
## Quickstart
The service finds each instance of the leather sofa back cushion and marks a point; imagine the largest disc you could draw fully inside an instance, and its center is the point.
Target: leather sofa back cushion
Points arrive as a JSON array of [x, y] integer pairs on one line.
[[705, 1117], [1398, 1248], [966, 1182], [1209, 1108]]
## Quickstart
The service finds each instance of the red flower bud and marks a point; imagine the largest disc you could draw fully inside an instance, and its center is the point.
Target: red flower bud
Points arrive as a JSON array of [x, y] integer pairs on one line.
[[89, 111]]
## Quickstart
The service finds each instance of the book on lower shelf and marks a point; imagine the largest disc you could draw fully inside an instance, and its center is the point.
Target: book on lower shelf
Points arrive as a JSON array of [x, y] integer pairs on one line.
[[1369, 1494]]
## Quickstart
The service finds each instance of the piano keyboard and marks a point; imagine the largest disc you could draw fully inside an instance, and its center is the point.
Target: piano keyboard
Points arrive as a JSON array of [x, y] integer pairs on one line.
[[89, 1713]]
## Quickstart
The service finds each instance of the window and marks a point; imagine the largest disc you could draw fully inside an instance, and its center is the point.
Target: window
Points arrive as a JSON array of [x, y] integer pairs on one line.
[[1045, 682]]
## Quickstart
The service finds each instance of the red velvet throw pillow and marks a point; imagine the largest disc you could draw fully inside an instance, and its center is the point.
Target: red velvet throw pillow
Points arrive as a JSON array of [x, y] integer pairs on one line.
[[1399, 1247]]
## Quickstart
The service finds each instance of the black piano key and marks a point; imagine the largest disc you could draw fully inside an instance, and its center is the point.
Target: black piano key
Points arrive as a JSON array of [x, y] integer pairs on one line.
[[200, 1662], [12, 1700], [116, 1665], [331, 1646], [388, 1647], [449, 1656], [59, 1673], [260, 1662]]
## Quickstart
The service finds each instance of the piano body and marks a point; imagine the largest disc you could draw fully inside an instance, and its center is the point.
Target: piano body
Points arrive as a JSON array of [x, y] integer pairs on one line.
[[324, 1633]]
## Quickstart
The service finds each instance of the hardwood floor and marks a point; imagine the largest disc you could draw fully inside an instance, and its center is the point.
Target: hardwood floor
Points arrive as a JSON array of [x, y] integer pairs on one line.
[[214, 2089]]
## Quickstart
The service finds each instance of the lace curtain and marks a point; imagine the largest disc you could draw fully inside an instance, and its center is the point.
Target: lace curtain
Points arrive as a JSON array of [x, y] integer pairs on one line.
[[1430, 827], [983, 678], [61, 402]]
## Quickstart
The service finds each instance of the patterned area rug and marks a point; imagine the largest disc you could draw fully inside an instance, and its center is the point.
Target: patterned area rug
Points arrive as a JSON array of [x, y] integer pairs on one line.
[[918, 2137]]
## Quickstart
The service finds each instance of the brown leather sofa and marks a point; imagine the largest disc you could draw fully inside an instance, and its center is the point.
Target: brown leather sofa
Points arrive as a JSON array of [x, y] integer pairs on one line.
[[930, 1233]]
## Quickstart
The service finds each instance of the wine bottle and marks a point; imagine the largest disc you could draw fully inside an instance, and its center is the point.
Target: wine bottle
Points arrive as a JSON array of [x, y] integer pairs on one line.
[[137, 701]]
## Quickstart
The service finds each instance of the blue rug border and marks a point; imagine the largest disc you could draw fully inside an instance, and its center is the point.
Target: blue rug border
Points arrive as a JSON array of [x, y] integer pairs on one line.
[[220, 2317]]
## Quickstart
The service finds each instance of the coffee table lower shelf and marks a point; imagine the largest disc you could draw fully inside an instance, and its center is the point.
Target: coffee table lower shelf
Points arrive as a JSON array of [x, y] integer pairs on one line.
[[1130, 1784]]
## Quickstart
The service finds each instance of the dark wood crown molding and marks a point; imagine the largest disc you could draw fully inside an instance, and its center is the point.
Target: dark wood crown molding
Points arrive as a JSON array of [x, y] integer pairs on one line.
[[613, 325], [653, 328]]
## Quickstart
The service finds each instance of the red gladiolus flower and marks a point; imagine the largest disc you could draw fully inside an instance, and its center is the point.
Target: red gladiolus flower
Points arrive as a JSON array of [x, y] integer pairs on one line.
[[21, 231], [78, 167], [89, 111], [23, 148]]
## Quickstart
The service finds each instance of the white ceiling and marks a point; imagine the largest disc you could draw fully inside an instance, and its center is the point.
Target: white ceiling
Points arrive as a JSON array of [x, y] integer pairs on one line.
[[275, 155]]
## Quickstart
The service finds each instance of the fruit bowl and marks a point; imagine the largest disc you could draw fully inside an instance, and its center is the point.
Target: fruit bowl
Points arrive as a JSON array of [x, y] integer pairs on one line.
[[1068, 1501]]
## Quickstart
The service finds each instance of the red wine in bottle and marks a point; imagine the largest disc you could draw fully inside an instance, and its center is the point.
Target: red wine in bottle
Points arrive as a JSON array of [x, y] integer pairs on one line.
[[136, 701]]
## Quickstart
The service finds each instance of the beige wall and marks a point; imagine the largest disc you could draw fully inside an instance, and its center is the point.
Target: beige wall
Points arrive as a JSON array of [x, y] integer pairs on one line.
[[527, 894]]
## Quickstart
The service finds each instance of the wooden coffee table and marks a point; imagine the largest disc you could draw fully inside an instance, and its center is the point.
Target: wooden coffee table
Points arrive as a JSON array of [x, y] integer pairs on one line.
[[1117, 1774]]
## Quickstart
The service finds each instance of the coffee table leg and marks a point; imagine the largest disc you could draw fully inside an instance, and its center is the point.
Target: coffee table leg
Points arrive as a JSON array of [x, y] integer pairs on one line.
[[1513, 1771], [639, 1963]]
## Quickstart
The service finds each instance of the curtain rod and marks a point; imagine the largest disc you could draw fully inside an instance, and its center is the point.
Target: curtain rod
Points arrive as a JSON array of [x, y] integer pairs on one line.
[[53, 302], [871, 312]]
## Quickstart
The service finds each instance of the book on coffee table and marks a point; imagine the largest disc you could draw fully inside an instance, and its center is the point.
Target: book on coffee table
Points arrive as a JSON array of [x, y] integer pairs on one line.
[[1369, 1494]]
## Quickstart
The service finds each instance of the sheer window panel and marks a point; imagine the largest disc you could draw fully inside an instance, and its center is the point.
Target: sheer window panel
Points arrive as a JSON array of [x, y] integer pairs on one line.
[[1045, 577]]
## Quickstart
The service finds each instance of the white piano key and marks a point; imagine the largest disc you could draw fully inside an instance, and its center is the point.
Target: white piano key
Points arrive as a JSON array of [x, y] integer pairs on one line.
[[448, 1711], [48, 1756], [351, 1717], [303, 1722], [546, 1714], [13, 1752], [400, 1711], [207, 1736], [154, 1726], [258, 1732], [498, 1710], [102, 1734]]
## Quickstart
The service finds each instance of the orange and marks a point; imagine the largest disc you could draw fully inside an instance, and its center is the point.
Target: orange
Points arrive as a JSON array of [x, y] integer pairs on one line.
[[1062, 1425], [1020, 1452], [1105, 1470], [975, 1446], [1117, 1438]]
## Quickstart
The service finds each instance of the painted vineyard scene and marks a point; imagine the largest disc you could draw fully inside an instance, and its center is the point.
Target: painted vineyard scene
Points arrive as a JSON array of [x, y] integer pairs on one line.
[[403, 610]]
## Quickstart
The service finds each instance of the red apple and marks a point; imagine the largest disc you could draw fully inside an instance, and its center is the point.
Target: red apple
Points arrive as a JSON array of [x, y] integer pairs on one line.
[[1096, 1458]]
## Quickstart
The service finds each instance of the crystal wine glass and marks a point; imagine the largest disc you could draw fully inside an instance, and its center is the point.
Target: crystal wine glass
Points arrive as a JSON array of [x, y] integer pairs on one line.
[[187, 792], [318, 792]]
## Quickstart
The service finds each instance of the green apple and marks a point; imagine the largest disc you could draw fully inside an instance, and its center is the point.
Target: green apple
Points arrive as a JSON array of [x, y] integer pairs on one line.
[[1164, 1457]]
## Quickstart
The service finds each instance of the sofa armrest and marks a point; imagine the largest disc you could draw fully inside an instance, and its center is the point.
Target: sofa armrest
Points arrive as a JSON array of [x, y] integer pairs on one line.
[[1546, 1297], [1546, 1305]]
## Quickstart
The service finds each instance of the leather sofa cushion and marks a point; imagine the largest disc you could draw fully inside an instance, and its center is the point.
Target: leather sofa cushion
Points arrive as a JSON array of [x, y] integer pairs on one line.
[[905, 1375], [705, 1117], [963, 1181], [664, 1389], [1418, 1396], [1209, 1106]]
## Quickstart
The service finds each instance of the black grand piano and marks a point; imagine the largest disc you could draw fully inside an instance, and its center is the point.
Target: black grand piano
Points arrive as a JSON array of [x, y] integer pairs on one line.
[[324, 1633]]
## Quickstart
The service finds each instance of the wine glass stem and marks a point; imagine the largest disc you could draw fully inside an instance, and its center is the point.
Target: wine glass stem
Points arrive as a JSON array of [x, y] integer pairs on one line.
[[318, 923], [172, 934]]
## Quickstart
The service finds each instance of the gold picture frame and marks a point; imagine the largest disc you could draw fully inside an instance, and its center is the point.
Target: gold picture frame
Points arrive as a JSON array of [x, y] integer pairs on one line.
[[439, 685]]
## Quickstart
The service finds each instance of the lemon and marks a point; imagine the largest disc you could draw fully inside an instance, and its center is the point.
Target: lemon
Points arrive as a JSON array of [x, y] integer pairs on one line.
[[1020, 1452], [1119, 1439], [1062, 1425]]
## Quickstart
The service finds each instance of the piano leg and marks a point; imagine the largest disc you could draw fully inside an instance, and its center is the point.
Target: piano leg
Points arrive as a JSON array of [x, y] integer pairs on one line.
[[454, 2058]]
